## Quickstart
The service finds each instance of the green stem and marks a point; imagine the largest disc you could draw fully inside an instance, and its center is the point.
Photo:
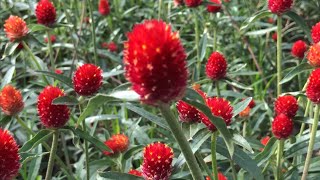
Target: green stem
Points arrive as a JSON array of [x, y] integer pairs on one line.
[[93, 32], [52, 154], [218, 89], [203, 164], [182, 141], [303, 125], [279, 158], [213, 154], [196, 29], [50, 50], [311, 143], [86, 151], [159, 9], [279, 54], [215, 38], [234, 172], [244, 129]]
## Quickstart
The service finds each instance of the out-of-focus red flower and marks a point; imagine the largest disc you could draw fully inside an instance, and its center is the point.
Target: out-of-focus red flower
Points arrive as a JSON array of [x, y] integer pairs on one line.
[[52, 38], [46, 12], [15, 28], [11, 101], [177, 3], [314, 55], [215, 7], [245, 113], [299, 48], [220, 177], [112, 46], [270, 20], [216, 67], [282, 126], [104, 7], [313, 87], [315, 33], [264, 141], [279, 6], [58, 71], [117, 143], [275, 37], [192, 3]]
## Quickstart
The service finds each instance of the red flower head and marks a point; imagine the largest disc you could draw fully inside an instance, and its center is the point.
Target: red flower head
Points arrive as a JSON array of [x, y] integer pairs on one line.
[[9, 156], [58, 71], [314, 55], [135, 172], [264, 141], [315, 33], [117, 143], [282, 126], [219, 107], [274, 37], [298, 49], [52, 38], [193, 3], [252, 104], [112, 47], [279, 6], [104, 7], [15, 28], [177, 2], [20, 46], [215, 7], [46, 13], [187, 113], [87, 79], [313, 87], [11, 101], [155, 64], [287, 105], [52, 116], [197, 88], [270, 20], [220, 177], [245, 113], [157, 159], [216, 67]]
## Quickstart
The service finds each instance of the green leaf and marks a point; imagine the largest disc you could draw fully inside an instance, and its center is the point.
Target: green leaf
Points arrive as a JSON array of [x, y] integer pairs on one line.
[[65, 100], [240, 106], [9, 49], [64, 79], [254, 18], [267, 151], [301, 22], [112, 73], [295, 71], [102, 118], [38, 27], [26, 157], [240, 140], [203, 42], [132, 151], [127, 95], [117, 176], [5, 120], [8, 77], [236, 84], [41, 136]]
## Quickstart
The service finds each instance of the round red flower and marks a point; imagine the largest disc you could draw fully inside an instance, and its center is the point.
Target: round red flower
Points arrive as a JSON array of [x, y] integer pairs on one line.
[[274, 36], [117, 143], [104, 7], [177, 2], [287, 105], [11, 101], [298, 49], [52, 116], [135, 172], [193, 3], [264, 141], [15, 28], [245, 113], [215, 7], [282, 126], [46, 12], [110, 46], [52, 38], [216, 67], [87, 79], [313, 87], [220, 177], [279, 6], [315, 33], [155, 66], [9, 156], [270, 20], [314, 55], [157, 159], [187, 113], [58, 71]]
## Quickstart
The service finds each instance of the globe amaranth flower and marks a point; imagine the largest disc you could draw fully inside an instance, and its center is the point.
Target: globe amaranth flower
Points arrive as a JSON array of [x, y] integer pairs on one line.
[[192, 3], [279, 6], [216, 67], [220, 177], [282, 126], [11, 101], [53, 39], [155, 64], [264, 141], [315, 33], [215, 7], [15, 28], [187, 113], [313, 86], [298, 49], [118, 143], [104, 8], [46, 12], [313, 55], [287, 105]]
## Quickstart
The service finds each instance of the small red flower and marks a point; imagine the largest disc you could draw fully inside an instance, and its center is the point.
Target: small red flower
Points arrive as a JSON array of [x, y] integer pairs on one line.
[[135, 172], [52, 116], [11, 101], [264, 141], [104, 7], [215, 7], [58, 71], [52, 38], [177, 2], [275, 37], [15, 28], [287, 105], [193, 3], [46, 12], [298, 49], [282, 126], [252, 104], [314, 55], [245, 113], [20, 46], [219, 107], [9, 156], [220, 177], [157, 159], [187, 113], [313, 87], [315, 33], [112, 47], [87, 79], [117, 143], [270, 20], [156, 67], [279, 6], [216, 67]]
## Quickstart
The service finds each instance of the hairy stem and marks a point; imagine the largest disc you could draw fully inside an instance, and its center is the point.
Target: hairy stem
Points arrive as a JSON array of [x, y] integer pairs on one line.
[[52, 154], [279, 158], [213, 154]]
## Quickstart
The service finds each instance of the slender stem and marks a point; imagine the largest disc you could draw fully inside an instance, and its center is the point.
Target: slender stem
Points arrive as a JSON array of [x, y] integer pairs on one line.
[[52, 154], [203, 164], [234, 172], [196, 29], [93, 32], [244, 129], [65, 150], [86, 151], [213, 154], [182, 141], [50, 50], [305, 115], [279, 54], [279, 158], [159, 9], [311, 143], [218, 89], [265, 167], [215, 38]]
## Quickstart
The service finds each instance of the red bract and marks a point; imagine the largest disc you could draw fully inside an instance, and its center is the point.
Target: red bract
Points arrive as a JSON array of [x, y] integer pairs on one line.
[[215, 7], [15, 28], [52, 116], [193, 3], [313, 87], [117, 143], [104, 7], [87, 79], [282, 126], [287, 105], [298, 49], [155, 64], [216, 67], [11, 101], [46, 13], [9, 156], [157, 159], [52, 38], [187, 113], [220, 177], [315, 33], [314, 55], [135, 172], [279, 6]]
